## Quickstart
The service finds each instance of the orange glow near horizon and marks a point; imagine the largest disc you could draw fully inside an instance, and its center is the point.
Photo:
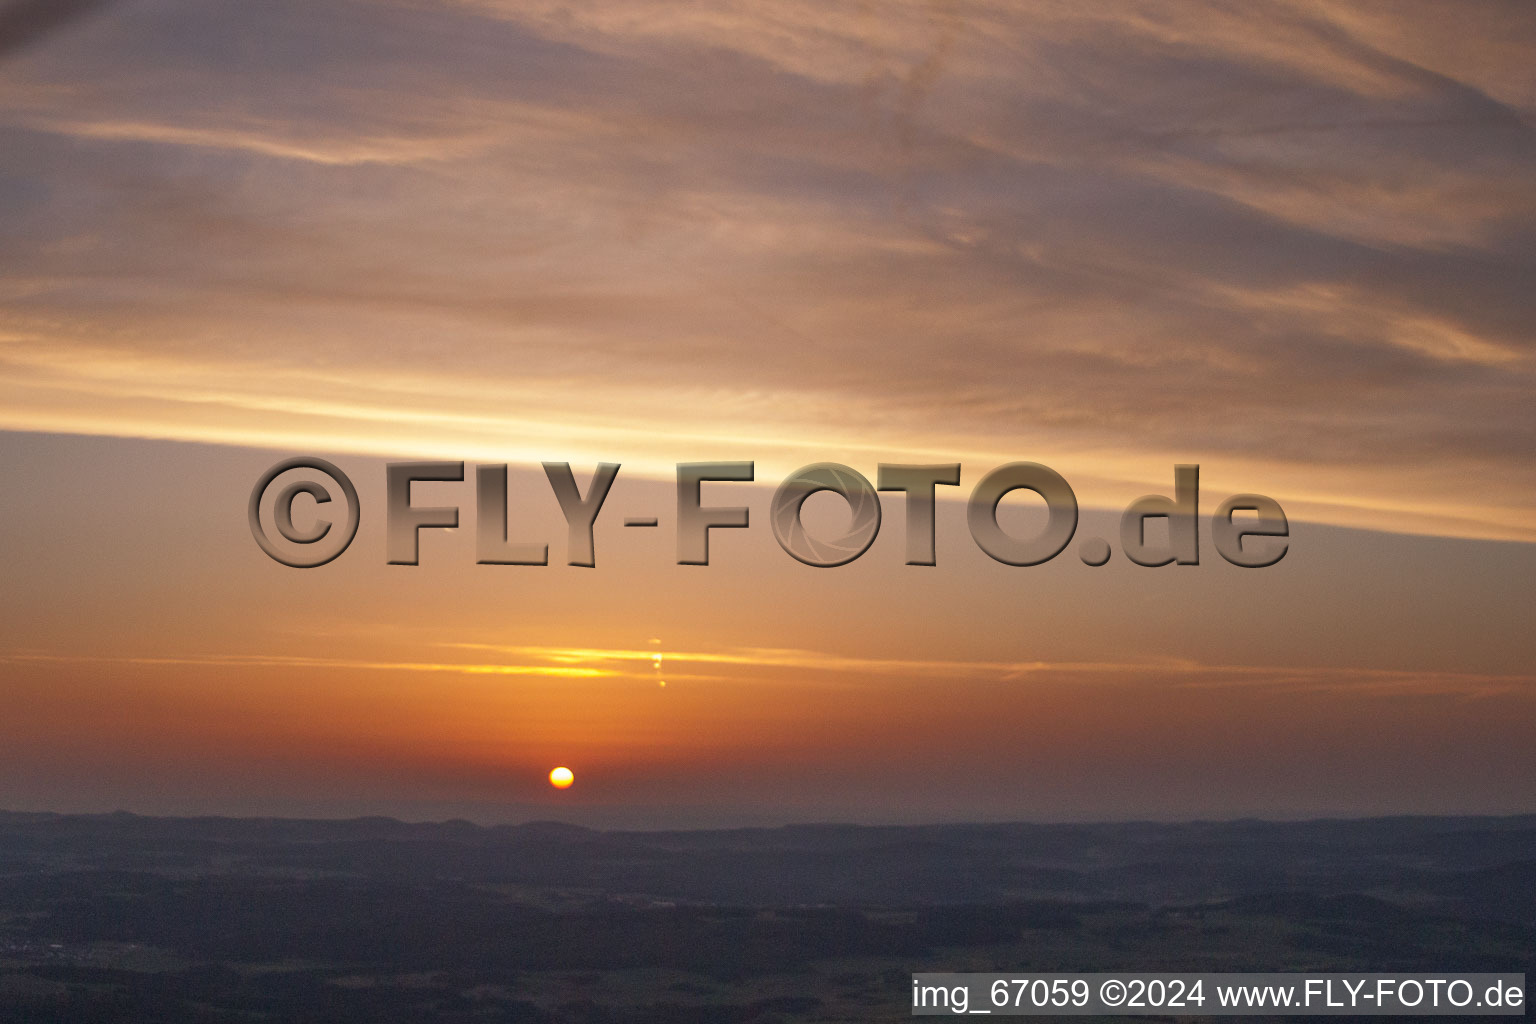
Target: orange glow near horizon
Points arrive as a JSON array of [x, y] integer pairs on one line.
[[1291, 245], [451, 687]]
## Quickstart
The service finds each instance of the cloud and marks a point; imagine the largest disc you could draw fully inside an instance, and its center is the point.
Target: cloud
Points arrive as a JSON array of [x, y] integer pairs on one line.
[[269, 661], [1164, 672], [25, 22], [1292, 239], [756, 663]]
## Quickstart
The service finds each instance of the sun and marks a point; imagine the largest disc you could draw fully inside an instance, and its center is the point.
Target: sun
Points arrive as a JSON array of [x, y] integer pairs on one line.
[[562, 777]]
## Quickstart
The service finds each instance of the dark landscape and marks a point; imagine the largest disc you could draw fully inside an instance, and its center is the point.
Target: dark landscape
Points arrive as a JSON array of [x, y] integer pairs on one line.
[[125, 918]]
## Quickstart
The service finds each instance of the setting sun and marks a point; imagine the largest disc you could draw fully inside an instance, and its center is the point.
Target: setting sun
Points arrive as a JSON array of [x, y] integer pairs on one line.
[[561, 778]]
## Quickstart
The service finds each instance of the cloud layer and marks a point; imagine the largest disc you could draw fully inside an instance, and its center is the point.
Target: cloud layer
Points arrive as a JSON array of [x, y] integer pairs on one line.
[[1292, 241]]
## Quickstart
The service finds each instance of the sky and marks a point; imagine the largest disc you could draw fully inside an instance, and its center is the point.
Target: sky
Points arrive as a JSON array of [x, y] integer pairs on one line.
[[1290, 242]]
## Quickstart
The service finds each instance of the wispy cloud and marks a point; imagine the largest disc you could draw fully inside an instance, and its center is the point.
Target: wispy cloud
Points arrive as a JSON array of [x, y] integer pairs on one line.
[[1161, 671], [273, 142], [749, 664], [276, 661], [1292, 239], [25, 22]]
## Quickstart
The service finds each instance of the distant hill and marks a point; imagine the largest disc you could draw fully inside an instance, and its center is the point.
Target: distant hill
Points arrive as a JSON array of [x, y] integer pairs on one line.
[[1482, 863]]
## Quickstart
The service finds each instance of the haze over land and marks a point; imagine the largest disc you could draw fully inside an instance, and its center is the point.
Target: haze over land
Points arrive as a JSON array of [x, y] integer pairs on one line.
[[209, 920]]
